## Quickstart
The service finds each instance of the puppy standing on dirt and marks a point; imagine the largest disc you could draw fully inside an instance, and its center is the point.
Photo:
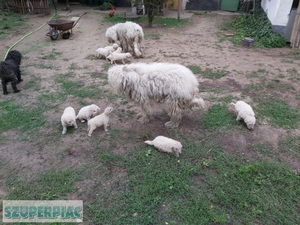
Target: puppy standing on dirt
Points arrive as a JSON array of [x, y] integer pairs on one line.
[[68, 119], [100, 120], [244, 112], [10, 71]]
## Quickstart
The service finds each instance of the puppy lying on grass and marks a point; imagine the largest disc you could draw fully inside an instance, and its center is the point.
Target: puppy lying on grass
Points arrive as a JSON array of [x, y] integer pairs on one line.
[[10, 71]]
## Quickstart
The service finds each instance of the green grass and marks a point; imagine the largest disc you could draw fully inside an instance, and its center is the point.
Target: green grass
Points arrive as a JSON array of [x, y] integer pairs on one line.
[[46, 66], [218, 117], [208, 73], [74, 66], [206, 186], [53, 55], [214, 74], [226, 99], [289, 145], [264, 149], [244, 193], [279, 113], [153, 36], [51, 185], [195, 69], [92, 57], [10, 22], [14, 116], [78, 88], [106, 66], [33, 84]]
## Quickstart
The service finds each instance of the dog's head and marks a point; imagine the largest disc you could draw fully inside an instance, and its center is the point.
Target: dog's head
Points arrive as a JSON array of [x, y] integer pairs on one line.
[[250, 122], [176, 151], [94, 110], [108, 110], [115, 45]]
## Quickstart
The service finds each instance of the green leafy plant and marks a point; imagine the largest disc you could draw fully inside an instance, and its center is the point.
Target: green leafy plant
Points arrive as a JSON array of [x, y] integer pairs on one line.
[[258, 27]]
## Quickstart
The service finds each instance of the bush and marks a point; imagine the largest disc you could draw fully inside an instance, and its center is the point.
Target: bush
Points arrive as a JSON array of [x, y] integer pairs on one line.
[[258, 27]]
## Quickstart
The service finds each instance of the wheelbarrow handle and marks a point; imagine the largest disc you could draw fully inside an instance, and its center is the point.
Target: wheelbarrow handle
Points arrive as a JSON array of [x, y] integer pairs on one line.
[[79, 18]]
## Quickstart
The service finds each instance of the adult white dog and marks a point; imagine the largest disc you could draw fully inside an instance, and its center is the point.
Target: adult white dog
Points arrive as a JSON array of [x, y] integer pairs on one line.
[[130, 35], [171, 84]]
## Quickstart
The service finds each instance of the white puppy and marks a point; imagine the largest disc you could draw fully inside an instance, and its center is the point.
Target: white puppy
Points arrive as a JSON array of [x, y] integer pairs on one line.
[[118, 56], [165, 144], [88, 112], [68, 119], [244, 111], [99, 120], [104, 52]]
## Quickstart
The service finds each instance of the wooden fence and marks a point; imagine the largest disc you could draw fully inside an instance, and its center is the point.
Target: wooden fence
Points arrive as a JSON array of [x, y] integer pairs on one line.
[[29, 6]]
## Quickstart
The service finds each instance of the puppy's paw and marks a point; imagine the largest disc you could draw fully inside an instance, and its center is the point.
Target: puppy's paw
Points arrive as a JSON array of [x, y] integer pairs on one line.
[[16, 91], [5, 93]]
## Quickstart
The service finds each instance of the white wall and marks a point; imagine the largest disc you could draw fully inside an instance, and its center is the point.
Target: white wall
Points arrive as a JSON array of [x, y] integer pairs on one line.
[[277, 10]]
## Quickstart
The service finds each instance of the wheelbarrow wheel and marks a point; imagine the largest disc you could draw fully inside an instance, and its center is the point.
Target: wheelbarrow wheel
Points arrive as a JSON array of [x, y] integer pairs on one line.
[[53, 34], [66, 35]]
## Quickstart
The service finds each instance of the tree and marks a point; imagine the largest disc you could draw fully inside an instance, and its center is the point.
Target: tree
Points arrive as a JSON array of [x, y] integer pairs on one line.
[[151, 6]]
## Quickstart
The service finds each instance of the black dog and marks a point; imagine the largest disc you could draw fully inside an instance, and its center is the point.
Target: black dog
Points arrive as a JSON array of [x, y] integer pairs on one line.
[[10, 71]]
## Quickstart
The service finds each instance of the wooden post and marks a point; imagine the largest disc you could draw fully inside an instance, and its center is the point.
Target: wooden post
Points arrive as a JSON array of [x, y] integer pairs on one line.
[[295, 37], [178, 10], [68, 5]]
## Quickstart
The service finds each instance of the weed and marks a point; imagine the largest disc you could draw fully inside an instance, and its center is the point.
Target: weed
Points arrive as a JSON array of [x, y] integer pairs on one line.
[[258, 27]]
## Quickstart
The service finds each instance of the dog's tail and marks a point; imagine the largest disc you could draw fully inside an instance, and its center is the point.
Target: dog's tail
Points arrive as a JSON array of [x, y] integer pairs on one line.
[[198, 103], [148, 142]]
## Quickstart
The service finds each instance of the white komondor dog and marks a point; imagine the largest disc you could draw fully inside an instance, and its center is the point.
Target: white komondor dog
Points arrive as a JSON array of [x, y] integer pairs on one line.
[[171, 84], [130, 35]]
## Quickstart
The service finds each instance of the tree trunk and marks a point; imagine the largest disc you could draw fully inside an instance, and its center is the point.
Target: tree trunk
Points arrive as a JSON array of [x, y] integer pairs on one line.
[[68, 5], [150, 15]]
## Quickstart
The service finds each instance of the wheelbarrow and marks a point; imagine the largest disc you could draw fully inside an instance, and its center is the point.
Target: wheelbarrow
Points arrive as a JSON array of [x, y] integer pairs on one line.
[[61, 27]]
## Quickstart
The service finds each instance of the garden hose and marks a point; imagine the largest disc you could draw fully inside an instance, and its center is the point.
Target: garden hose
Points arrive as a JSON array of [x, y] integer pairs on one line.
[[25, 36]]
